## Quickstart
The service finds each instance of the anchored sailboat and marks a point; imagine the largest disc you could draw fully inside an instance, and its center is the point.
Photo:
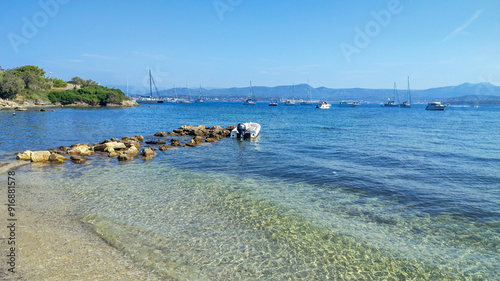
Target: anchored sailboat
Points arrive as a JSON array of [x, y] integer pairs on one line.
[[250, 100], [392, 103], [292, 101], [309, 96], [150, 99], [200, 98], [407, 103], [188, 96]]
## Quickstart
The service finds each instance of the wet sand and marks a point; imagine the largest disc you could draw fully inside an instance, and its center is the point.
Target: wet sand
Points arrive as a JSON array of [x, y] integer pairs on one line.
[[52, 243]]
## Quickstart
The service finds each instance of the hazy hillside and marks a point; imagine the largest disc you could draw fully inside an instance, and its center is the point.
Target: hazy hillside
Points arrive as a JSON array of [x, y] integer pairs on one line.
[[479, 92]]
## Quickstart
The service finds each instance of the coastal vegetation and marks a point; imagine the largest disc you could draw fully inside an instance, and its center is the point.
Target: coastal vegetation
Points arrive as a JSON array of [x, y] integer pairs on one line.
[[30, 84]]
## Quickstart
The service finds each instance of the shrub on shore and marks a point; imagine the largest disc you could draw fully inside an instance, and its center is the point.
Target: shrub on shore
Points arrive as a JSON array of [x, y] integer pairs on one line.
[[93, 95], [28, 82]]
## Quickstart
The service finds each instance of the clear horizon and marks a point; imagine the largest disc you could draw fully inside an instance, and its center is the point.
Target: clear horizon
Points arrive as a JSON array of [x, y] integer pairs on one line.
[[228, 43]]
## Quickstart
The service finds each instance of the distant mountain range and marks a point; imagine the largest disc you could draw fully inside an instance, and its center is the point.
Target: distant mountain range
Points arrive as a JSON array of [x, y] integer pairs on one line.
[[464, 93]]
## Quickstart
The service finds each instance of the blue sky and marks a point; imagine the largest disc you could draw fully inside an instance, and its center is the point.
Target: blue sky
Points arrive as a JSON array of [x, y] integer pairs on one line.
[[227, 43]]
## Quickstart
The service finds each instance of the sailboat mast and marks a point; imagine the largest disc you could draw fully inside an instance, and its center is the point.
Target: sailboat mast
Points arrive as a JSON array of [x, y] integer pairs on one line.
[[409, 94], [150, 85], [396, 95]]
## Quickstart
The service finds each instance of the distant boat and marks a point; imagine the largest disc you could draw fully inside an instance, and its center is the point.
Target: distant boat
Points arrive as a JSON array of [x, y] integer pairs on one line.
[[250, 100], [246, 130], [348, 103], [407, 103], [309, 96], [323, 105], [146, 99], [392, 103], [188, 94], [174, 98], [292, 101], [200, 98], [273, 103], [150, 98], [435, 105]]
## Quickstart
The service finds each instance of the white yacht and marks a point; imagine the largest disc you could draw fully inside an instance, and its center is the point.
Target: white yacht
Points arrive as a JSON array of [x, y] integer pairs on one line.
[[323, 105], [435, 105], [246, 130]]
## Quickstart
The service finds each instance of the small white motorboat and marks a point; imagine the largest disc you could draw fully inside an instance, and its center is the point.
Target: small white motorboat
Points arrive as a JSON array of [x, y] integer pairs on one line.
[[246, 130], [435, 106], [323, 105]]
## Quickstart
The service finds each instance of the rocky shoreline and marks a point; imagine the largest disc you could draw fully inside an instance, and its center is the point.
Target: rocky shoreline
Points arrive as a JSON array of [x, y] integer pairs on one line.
[[129, 147], [12, 105]]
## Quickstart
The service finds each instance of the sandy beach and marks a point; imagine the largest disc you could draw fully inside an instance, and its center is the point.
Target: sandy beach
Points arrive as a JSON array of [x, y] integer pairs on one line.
[[52, 243]]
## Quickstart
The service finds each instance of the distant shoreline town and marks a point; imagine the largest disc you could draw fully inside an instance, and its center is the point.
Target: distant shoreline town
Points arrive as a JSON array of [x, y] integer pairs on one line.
[[29, 86]]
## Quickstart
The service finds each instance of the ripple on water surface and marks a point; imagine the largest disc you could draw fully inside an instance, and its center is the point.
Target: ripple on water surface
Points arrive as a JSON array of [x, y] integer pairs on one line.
[[198, 226]]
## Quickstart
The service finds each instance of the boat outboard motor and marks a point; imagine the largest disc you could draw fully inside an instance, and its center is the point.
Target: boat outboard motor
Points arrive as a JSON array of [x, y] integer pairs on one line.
[[241, 130]]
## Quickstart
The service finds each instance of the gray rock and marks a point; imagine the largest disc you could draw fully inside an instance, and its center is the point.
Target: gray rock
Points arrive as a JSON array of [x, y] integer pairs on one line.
[[78, 159]]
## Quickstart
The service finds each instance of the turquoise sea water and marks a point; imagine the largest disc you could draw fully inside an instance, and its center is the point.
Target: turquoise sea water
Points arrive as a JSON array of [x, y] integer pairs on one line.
[[348, 193]]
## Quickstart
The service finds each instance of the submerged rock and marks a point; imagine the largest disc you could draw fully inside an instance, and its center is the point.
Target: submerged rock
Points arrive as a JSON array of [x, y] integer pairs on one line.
[[78, 159], [160, 134], [83, 149], [113, 154], [125, 157], [156, 142], [131, 143], [198, 139], [175, 142], [148, 153], [166, 147], [64, 148], [55, 150], [131, 151], [57, 158]]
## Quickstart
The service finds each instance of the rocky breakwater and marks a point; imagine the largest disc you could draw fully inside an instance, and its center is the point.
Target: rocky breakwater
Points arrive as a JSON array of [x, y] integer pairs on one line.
[[201, 134], [129, 148]]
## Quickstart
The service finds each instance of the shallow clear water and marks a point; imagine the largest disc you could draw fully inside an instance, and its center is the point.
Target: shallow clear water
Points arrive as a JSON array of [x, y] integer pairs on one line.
[[346, 193]]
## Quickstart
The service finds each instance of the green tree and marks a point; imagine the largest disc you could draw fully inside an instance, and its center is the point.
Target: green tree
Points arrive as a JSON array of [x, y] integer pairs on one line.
[[89, 82], [33, 77], [10, 85], [58, 83], [77, 80]]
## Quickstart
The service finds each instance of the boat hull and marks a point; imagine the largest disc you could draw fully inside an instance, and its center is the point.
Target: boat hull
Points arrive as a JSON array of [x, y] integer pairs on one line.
[[435, 106], [348, 104], [246, 131], [324, 105]]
